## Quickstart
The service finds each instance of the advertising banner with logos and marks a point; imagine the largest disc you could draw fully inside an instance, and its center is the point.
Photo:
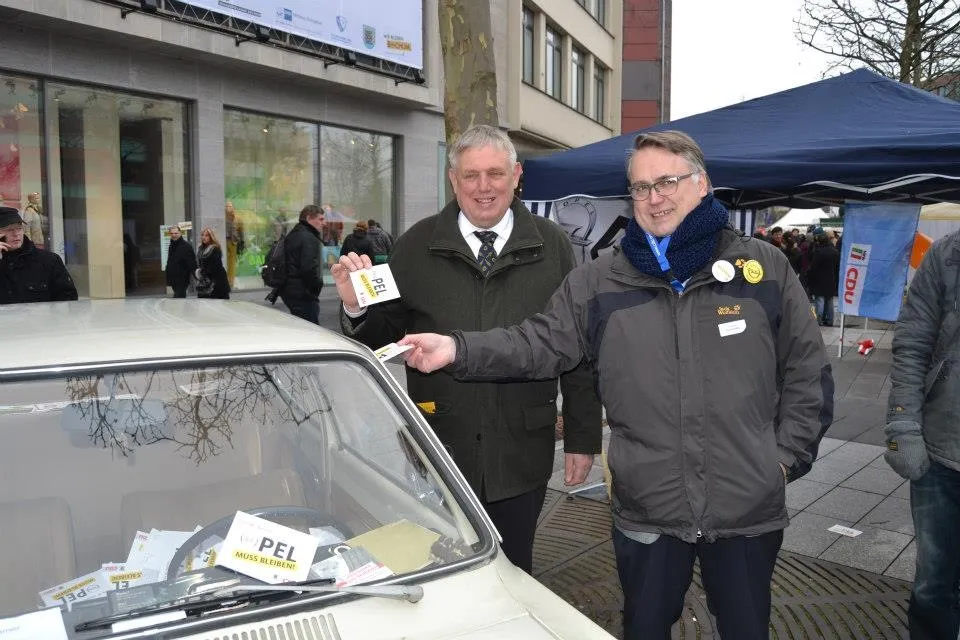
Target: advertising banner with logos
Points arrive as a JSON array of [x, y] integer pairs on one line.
[[387, 29], [875, 257]]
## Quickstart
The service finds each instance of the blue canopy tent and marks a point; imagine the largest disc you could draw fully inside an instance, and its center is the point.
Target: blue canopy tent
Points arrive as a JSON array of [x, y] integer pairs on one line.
[[857, 136]]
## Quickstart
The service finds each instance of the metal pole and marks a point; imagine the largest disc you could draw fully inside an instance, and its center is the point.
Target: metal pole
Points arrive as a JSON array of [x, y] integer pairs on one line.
[[866, 322], [840, 344]]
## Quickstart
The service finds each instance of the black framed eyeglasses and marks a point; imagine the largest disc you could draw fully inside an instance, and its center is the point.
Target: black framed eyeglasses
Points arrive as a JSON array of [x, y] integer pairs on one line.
[[664, 186]]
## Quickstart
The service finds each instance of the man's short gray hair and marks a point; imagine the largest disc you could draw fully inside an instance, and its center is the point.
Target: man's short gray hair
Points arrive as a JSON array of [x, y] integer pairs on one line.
[[481, 135], [675, 142]]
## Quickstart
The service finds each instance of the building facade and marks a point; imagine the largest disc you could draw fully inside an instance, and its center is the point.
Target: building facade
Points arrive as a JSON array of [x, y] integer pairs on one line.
[[119, 118], [646, 63], [115, 126], [559, 74]]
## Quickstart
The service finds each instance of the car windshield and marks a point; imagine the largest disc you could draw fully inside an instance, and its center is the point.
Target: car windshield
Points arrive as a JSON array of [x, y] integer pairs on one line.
[[128, 489]]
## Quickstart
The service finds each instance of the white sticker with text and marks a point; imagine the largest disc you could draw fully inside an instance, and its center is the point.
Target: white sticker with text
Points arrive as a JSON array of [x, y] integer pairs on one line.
[[266, 550], [732, 328], [87, 587], [391, 351], [374, 285]]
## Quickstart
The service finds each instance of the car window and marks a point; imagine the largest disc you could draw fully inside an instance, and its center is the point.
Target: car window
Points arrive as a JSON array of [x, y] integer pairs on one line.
[[118, 488]]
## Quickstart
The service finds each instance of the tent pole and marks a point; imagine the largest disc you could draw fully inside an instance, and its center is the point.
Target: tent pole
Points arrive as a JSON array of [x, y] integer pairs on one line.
[[866, 325], [840, 344]]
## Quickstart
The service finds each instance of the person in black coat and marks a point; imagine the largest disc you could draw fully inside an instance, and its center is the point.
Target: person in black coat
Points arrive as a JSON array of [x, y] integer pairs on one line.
[[212, 279], [301, 290], [359, 242], [181, 263], [823, 277], [28, 273]]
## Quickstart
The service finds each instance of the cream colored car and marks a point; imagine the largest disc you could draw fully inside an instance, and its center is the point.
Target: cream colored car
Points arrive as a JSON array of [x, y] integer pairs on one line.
[[212, 469]]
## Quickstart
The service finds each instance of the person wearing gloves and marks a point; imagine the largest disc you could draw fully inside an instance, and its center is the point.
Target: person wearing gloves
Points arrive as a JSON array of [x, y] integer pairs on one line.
[[923, 435], [715, 380]]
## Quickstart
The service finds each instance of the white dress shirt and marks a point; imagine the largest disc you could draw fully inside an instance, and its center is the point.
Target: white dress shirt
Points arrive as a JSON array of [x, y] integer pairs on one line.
[[502, 229], [467, 228]]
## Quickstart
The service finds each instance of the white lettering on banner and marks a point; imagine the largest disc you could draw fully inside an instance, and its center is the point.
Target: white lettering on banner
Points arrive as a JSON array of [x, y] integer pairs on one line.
[[387, 29], [853, 277]]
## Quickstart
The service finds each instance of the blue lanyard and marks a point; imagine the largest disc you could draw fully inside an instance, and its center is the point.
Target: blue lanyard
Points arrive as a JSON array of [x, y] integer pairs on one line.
[[659, 250]]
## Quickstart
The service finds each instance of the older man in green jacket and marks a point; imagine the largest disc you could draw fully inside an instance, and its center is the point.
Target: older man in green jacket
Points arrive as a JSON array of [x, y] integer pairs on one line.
[[485, 261]]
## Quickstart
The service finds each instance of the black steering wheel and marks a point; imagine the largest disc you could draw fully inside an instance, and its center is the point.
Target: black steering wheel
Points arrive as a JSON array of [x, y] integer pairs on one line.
[[221, 526]]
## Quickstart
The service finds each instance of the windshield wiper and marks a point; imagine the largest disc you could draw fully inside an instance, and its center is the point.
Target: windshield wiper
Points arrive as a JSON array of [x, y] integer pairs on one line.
[[224, 598], [410, 593], [192, 605]]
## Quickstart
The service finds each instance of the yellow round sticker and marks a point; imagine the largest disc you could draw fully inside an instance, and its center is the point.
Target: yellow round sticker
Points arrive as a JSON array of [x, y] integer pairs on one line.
[[752, 271]]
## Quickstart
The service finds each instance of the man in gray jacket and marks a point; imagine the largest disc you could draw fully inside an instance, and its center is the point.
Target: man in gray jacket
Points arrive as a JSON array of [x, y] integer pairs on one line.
[[716, 382], [923, 435]]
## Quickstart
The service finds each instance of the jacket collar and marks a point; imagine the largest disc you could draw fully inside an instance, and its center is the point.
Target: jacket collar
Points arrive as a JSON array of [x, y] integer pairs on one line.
[[307, 227], [622, 271], [447, 237]]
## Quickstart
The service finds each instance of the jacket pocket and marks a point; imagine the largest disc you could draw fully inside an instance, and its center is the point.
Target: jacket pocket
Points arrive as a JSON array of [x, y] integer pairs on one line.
[[540, 416]]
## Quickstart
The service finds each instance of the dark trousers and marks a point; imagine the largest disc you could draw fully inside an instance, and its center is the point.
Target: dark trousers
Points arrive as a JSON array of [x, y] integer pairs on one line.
[[306, 308], [516, 520], [180, 290], [934, 613], [736, 575]]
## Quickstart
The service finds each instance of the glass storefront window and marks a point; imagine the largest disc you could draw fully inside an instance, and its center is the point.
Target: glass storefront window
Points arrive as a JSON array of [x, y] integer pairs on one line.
[[270, 166], [356, 175], [21, 157], [118, 168]]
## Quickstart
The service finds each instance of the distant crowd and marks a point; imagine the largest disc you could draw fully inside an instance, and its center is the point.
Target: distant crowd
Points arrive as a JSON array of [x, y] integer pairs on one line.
[[815, 258]]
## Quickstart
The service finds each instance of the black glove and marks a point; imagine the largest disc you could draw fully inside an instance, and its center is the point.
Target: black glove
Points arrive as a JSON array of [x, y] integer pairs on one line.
[[906, 452]]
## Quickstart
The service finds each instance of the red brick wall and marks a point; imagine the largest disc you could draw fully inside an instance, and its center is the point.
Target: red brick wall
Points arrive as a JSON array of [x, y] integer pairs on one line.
[[641, 42]]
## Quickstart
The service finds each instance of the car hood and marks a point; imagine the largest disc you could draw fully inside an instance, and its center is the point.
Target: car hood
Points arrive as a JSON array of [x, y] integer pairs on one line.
[[494, 601]]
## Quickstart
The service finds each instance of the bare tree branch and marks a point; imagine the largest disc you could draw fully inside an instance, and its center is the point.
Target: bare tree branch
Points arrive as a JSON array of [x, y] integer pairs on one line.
[[914, 41]]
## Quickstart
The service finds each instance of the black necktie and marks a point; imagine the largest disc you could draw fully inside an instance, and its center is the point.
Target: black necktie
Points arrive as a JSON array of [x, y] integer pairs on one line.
[[487, 254]]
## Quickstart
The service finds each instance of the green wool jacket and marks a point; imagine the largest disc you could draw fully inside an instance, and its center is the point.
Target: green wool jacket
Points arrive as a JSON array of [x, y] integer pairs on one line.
[[501, 434]]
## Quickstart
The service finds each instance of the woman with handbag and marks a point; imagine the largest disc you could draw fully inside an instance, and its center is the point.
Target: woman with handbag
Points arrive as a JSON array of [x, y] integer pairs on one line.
[[211, 274]]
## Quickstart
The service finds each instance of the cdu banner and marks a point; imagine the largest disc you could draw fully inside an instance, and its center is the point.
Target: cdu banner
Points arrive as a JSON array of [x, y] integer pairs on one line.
[[877, 238]]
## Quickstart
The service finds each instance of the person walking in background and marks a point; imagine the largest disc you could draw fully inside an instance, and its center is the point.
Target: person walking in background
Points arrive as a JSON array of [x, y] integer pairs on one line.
[[211, 275], [234, 240], [381, 241], [359, 242], [823, 277], [485, 261], [181, 262], [33, 221], [715, 379], [27, 273], [304, 281], [923, 435]]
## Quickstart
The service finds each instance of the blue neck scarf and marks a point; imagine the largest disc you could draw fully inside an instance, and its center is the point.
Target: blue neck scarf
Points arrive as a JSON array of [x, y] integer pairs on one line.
[[690, 247]]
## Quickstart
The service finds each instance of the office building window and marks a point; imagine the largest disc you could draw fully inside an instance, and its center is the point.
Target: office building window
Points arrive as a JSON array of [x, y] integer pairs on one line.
[[270, 169], [528, 45], [577, 58], [553, 68], [600, 94], [600, 11], [119, 170]]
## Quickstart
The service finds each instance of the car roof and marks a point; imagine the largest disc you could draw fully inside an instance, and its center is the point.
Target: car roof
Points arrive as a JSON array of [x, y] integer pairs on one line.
[[56, 334]]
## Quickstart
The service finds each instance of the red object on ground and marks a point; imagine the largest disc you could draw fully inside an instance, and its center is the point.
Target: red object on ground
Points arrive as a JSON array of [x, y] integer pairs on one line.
[[865, 346]]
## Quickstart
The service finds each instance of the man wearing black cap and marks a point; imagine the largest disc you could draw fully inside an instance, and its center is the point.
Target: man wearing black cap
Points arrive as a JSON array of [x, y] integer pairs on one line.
[[29, 274]]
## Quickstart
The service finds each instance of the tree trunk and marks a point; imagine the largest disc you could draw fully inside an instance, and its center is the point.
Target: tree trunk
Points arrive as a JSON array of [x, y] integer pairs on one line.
[[910, 53], [470, 94]]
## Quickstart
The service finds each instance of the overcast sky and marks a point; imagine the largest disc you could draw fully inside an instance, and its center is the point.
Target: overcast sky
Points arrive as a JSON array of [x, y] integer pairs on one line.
[[728, 51]]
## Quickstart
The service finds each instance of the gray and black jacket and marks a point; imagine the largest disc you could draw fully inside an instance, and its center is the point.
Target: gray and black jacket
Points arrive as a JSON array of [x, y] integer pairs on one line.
[[925, 385], [705, 392]]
